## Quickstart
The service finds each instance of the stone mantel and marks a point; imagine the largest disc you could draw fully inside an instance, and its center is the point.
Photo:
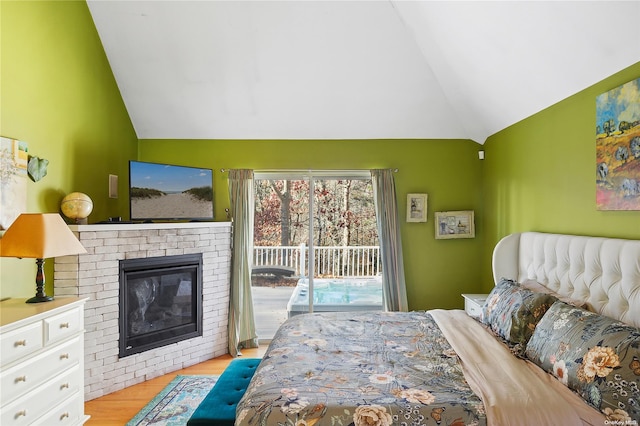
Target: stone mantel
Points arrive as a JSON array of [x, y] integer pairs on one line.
[[127, 226]]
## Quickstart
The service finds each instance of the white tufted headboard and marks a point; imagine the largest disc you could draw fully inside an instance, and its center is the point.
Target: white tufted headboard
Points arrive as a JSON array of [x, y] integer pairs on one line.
[[604, 272]]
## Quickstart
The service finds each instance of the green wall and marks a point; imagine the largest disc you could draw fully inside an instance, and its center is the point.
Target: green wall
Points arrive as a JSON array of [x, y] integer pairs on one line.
[[57, 93], [437, 271], [540, 174]]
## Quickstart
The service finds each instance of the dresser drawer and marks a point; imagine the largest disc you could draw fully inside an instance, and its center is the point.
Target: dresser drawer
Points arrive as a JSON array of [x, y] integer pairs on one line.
[[67, 413], [21, 342], [39, 402], [62, 325], [22, 378]]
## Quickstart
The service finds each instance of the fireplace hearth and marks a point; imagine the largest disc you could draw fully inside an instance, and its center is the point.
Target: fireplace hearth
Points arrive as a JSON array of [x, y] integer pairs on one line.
[[160, 301]]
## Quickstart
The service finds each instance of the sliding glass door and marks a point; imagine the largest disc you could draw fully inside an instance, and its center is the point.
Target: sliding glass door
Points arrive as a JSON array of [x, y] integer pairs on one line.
[[315, 246]]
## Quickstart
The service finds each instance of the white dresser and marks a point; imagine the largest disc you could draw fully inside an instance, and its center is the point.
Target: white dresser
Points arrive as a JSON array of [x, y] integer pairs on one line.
[[42, 362]]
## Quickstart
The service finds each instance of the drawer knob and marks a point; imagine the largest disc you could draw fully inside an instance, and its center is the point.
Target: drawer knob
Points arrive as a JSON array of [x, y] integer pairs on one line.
[[20, 343], [21, 413], [64, 416], [64, 356], [20, 379], [64, 386], [64, 325]]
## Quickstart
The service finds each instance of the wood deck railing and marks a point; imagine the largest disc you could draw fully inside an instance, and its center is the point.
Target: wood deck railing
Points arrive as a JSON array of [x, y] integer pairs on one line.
[[331, 261]]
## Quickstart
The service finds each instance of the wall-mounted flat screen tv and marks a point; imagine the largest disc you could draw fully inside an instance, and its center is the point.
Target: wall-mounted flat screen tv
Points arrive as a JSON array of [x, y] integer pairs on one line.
[[169, 192]]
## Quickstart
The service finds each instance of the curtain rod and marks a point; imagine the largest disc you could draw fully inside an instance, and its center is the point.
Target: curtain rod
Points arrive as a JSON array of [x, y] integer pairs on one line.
[[395, 170]]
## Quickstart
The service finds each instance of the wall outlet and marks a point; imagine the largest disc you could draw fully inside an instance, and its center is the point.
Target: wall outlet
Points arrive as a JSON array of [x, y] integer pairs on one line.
[[113, 186]]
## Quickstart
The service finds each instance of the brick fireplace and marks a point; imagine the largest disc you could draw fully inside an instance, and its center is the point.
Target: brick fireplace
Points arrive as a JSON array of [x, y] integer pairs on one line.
[[95, 275]]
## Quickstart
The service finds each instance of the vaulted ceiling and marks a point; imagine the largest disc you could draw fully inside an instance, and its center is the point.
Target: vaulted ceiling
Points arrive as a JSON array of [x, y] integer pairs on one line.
[[356, 69]]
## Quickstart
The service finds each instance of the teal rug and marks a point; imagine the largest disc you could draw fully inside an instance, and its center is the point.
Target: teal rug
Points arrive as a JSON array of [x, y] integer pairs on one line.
[[175, 404]]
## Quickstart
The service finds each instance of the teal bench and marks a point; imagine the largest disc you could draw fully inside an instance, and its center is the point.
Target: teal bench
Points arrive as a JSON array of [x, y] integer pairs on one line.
[[218, 408]]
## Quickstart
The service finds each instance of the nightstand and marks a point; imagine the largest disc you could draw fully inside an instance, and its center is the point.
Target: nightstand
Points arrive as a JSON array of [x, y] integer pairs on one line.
[[473, 304]]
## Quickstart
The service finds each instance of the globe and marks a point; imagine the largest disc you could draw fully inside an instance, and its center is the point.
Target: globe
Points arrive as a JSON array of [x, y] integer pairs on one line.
[[76, 206]]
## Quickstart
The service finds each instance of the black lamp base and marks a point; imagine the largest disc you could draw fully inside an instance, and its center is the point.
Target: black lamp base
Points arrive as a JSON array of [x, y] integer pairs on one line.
[[38, 299], [40, 294]]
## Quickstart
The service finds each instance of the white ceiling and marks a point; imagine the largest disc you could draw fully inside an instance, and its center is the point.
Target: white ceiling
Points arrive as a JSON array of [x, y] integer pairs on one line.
[[356, 69]]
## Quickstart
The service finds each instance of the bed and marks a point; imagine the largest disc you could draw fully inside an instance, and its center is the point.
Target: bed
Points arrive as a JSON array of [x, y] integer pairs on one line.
[[557, 343]]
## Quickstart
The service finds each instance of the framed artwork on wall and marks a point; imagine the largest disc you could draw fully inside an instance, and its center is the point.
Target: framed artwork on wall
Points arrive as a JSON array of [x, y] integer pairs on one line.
[[618, 148], [13, 180], [416, 207], [455, 224]]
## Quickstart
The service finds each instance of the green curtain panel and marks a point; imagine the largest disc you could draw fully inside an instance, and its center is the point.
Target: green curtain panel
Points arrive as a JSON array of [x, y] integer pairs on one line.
[[242, 327]]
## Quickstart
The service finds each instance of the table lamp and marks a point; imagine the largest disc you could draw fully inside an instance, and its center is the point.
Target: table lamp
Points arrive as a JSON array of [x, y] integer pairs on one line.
[[38, 236]]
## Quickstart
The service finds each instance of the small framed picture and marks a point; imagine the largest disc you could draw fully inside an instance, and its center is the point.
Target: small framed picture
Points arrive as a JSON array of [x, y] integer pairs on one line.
[[455, 224], [416, 207]]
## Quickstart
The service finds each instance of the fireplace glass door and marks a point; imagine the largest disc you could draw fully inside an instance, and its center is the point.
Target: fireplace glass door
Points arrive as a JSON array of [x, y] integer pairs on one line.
[[160, 301]]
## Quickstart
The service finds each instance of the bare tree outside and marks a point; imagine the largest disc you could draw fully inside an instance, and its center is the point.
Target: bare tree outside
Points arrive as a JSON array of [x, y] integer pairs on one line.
[[344, 213]]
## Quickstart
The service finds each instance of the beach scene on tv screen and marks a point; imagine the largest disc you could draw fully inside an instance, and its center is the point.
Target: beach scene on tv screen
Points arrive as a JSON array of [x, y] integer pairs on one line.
[[161, 191]]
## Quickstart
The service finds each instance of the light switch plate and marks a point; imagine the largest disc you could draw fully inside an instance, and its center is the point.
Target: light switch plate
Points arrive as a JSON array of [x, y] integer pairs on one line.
[[113, 186]]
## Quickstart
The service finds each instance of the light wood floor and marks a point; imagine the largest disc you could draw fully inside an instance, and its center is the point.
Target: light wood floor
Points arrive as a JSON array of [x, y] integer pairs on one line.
[[119, 407]]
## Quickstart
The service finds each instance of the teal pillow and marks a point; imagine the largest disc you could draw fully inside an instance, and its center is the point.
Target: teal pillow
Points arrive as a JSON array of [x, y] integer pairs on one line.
[[512, 312], [596, 356]]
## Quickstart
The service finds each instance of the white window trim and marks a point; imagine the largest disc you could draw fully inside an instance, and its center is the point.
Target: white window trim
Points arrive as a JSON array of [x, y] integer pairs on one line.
[[311, 174]]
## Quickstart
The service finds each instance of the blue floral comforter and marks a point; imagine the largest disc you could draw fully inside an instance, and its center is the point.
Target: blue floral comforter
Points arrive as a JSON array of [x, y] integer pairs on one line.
[[360, 368]]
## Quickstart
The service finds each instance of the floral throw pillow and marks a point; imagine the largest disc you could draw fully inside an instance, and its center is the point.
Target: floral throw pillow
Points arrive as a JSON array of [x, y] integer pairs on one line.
[[596, 356], [539, 288], [512, 312]]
